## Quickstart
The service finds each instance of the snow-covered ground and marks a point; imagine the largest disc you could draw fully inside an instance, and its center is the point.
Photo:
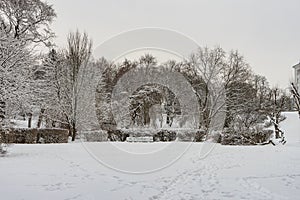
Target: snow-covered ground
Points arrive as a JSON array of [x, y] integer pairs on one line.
[[203, 171]]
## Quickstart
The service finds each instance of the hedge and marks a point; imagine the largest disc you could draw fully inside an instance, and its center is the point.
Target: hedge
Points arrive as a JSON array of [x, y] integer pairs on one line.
[[31, 136]]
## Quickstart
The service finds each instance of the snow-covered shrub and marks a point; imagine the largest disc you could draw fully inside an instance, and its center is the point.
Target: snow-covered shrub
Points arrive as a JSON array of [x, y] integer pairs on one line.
[[188, 135], [3, 148], [117, 135], [95, 136], [165, 135], [3, 141], [52, 135], [31, 136], [19, 135], [185, 136], [199, 136], [247, 137], [214, 137]]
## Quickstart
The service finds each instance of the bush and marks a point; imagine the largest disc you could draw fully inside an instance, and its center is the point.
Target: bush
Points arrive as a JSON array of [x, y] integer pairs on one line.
[[2, 148], [95, 136], [18, 135], [31, 136], [165, 136], [3, 145], [117, 135], [199, 136], [52, 135], [250, 137], [188, 135]]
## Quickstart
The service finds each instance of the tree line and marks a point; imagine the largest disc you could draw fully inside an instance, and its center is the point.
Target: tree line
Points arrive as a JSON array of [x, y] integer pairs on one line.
[[50, 82]]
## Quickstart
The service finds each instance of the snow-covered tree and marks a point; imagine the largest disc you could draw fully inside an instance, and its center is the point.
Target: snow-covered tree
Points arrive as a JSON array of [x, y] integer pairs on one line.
[[15, 63], [86, 109], [149, 98], [27, 19], [277, 100], [77, 54], [208, 64], [111, 74], [147, 60], [46, 88], [22, 25], [236, 75], [241, 112]]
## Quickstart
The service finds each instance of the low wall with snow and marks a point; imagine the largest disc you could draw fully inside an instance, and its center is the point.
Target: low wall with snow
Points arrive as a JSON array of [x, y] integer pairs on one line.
[[31, 136]]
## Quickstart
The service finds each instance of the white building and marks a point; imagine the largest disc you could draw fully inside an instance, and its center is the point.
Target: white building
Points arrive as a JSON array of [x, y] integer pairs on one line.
[[297, 75]]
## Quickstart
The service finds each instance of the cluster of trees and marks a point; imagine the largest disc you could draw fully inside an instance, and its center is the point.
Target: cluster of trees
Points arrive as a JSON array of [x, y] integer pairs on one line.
[[56, 83], [29, 81], [23, 26], [250, 102], [223, 82], [51, 83]]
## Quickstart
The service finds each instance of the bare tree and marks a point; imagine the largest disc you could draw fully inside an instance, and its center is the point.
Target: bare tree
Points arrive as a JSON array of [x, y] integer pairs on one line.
[[147, 60], [78, 55], [276, 105], [208, 64], [241, 111], [236, 75]]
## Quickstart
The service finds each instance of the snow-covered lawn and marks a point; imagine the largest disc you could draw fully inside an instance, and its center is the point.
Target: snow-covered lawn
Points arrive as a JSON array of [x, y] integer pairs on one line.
[[67, 171], [74, 171]]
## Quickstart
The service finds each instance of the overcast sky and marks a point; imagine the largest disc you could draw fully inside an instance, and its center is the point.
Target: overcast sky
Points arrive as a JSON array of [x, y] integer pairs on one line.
[[266, 32]]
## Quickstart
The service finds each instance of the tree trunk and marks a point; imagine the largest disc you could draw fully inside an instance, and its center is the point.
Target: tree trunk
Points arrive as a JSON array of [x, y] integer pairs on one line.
[[73, 131], [2, 110], [146, 115], [277, 132], [70, 130], [296, 98], [29, 119], [40, 118]]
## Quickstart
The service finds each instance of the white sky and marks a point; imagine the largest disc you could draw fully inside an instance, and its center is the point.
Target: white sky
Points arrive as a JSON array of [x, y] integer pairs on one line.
[[266, 32]]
